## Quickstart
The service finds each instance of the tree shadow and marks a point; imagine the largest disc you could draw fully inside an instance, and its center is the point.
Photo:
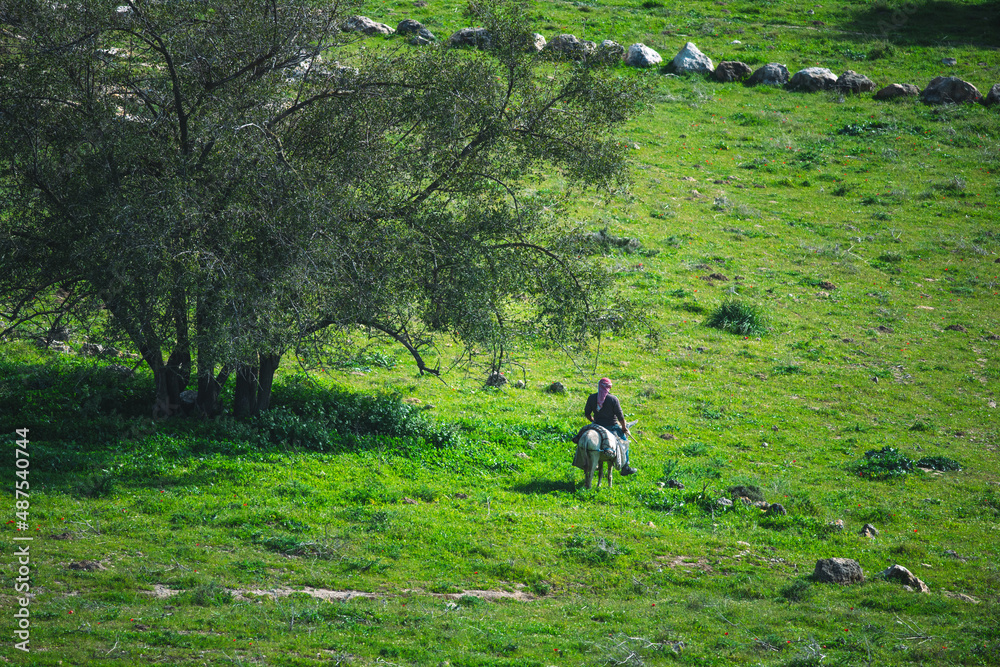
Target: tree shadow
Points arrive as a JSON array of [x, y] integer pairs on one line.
[[545, 486], [930, 23]]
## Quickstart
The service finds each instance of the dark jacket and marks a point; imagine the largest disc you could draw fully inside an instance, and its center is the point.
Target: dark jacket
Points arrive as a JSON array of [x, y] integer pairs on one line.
[[608, 415]]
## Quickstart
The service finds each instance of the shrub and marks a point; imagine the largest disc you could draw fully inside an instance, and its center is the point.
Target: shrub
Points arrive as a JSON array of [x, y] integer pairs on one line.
[[738, 317], [885, 463], [938, 463]]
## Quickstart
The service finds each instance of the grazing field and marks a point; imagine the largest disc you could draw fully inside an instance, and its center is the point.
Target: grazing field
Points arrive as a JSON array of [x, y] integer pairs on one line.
[[820, 279]]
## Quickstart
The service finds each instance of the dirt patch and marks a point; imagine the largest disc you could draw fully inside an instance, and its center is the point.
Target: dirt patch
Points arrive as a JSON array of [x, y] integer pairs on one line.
[[242, 594], [690, 562]]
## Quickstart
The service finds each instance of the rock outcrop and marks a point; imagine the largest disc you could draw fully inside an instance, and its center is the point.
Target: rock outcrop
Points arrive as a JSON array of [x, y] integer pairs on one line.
[[950, 90]]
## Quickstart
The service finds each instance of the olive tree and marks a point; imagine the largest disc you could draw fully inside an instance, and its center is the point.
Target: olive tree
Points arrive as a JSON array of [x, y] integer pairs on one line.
[[218, 182]]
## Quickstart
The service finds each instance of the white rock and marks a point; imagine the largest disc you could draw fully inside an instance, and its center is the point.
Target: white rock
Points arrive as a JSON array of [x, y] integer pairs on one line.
[[640, 55], [690, 59]]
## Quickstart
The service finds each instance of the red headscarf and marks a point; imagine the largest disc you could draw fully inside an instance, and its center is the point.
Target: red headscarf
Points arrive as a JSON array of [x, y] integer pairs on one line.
[[603, 387]]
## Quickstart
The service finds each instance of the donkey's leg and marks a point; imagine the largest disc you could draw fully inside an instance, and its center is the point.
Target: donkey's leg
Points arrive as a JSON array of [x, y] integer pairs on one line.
[[611, 469], [588, 476]]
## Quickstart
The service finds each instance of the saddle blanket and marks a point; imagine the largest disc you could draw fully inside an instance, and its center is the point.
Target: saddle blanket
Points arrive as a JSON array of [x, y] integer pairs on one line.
[[609, 445]]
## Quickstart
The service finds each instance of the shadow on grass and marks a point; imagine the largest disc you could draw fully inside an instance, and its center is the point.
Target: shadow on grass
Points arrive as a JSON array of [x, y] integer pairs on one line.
[[544, 486], [930, 23]]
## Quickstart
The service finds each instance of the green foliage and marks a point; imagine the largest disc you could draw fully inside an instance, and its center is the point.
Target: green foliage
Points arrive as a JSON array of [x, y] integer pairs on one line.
[[885, 463], [739, 317], [799, 590], [943, 463], [209, 594], [593, 550]]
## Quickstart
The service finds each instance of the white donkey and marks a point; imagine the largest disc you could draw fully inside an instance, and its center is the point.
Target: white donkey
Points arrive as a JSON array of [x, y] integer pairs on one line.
[[596, 457]]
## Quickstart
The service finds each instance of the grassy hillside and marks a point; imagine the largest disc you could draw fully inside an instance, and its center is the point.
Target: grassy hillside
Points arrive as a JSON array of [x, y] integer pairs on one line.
[[380, 517]]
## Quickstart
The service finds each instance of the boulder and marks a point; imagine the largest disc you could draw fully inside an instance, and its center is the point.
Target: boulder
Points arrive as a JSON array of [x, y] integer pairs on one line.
[[569, 47], [690, 59], [838, 571], [905, 577], [409, 27], [640, 55], [367, 26], [477, 38], [813, 79], [992, 97], [852, 82], [557, 388], [91, 349], [423, 37], [729, 71], [724, 502], [777, 508], [537, 42], [610, 53], [496, 379], [771, 74], [869, 531], [897, 90], [949, 90]]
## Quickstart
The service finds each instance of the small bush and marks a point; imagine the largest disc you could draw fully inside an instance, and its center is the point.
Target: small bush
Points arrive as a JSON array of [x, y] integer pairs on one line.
[[942, 463], [593, 550], [740, 491], [738, 317], [885, 463], [799, 590], [206, 595]]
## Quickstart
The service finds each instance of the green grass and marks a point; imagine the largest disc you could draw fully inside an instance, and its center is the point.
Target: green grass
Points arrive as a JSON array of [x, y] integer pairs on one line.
[[862, 229]]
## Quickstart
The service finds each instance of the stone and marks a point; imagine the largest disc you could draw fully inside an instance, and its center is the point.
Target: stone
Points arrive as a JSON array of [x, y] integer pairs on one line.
[[691, 59], [729, 71], [724, 502], [423, 37], [777, 508], [610, 53], [477, 38], [640, 55], [905, 577], [852, 82], [813, 79], [869, 531], [949, 61], [367, 26], [838, 571], [674, 484], [119, 370], [409, 27], [569, 47], [949, 90], [496, 379], [91, 350], [537, 42], [897, 90], [992, 97], [557, 388], [961, 596], [771, 74], [519, 384], [86, 566]]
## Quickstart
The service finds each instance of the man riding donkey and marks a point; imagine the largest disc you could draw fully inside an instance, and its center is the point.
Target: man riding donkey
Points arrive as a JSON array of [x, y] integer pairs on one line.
[[603, 409]]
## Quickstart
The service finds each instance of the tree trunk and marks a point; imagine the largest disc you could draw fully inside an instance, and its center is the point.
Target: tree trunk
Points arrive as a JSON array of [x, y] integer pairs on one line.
[[169, 380], [210, 388], [253, 385]]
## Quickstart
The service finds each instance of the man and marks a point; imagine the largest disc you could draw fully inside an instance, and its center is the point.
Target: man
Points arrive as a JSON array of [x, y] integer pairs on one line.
[[604, 410]]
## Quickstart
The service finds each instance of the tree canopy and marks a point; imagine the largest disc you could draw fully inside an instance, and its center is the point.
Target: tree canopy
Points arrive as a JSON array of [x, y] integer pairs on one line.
[[219, 182]]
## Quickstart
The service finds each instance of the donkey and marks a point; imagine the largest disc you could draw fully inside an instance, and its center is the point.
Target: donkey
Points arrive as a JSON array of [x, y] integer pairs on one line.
[[596, 458]]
